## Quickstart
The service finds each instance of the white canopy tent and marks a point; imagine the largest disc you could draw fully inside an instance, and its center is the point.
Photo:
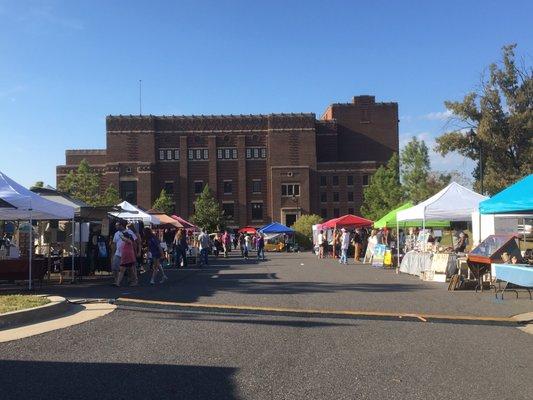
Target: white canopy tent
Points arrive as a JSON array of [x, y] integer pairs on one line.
[[19, 203], [131, 213], [453, 203]]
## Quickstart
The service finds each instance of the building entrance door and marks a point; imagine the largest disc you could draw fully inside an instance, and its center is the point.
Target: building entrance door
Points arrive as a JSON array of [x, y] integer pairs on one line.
[[290, 219]]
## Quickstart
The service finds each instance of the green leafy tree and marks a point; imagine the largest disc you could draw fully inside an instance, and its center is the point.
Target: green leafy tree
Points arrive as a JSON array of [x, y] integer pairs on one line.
[[384, 193], [82, 184], [415, 170], [164, 203], [207, 212], [304, 229], [38, 184], [501, 115], [110, 197]]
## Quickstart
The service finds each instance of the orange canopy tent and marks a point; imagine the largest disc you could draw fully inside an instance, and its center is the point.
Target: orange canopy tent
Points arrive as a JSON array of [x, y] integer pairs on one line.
[[165, 219], [346, 221]]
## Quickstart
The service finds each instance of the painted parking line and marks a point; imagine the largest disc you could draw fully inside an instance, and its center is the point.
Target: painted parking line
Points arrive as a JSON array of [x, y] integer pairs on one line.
[[281, 311]]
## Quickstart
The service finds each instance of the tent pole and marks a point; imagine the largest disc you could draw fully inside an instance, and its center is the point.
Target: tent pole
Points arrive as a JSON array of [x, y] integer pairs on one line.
[[424, 230], [398, 245], [73, 234], [30, 251]]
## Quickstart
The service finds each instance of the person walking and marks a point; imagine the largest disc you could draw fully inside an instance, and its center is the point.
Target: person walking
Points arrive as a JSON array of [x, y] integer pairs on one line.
[[321, 244], [247, 245], [345, 244], [117, 245], [226, 243], [261, 247], [128, 258], [203, 245], [241, 243], [216, 244], [357, 243], [156, 254]]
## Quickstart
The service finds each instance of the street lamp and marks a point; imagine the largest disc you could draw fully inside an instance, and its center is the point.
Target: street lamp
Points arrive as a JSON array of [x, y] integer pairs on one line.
[[473, 139]]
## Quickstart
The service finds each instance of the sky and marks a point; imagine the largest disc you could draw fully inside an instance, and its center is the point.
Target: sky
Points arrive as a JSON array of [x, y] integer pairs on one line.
[[65, 65]]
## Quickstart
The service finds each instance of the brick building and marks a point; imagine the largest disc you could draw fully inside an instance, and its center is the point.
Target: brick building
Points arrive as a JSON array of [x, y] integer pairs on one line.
[[260, 167]]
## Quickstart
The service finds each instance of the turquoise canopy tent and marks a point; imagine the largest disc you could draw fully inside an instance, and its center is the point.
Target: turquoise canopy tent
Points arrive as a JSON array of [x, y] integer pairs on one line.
[[516, 199], [389, 220]]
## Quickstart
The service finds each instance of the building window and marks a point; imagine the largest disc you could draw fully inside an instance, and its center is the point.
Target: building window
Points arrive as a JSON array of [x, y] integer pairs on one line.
[[169, 188], [290, 189], [198, 154], [349, 180], [227, 154], [323, 180], [365, 180], [365, 116], [256, 186], [256, 153], [323, 197], [228, 187], [336, 196], [351, 211], [198, 187], [335, 180], [128, 191], [169, 154], [229, 210], [336, 213], [350, 196], [257, 211], [324, 213]]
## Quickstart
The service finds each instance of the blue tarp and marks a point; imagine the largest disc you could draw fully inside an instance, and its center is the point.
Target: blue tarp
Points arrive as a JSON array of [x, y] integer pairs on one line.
[[276, 227], [516, 199]]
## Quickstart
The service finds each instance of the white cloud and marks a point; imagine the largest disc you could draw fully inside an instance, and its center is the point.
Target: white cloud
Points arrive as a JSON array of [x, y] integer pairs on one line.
[[9, 92], [437, 116]]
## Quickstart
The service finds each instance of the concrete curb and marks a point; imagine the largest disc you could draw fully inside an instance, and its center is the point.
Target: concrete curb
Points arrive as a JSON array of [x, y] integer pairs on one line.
[[131, 304], [58, 306]]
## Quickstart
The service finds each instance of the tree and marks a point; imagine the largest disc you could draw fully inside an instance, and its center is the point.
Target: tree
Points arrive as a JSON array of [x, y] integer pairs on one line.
[[110, 197], [501, 115], [304, 231], [164, 203], [384, 193], [207, 212], [38, 184], [416, 169], [82, 184]]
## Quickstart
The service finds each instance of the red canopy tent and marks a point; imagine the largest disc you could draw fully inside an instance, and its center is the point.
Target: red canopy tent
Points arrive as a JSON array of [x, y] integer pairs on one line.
[[247, 229], [345, 221]]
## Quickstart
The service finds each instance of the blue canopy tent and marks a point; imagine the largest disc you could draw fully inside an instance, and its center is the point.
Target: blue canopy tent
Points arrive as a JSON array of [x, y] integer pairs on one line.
[[276, 227], [516, 199]]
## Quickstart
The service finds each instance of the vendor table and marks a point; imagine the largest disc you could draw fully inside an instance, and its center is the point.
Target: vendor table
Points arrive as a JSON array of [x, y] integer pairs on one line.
[[18, 269], [415, 262], [519, 275]]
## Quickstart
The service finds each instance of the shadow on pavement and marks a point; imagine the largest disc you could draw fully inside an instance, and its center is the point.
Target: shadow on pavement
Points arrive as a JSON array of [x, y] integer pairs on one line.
[[189, 284], [236, 319], [65, 380]]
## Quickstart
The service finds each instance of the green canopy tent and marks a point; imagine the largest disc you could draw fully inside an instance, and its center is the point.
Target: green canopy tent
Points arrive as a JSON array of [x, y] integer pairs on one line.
[[389, 220]]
